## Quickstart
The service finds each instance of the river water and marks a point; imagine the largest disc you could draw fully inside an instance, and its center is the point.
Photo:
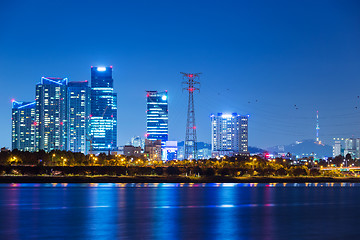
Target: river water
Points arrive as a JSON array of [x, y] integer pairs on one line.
[[180, 211]]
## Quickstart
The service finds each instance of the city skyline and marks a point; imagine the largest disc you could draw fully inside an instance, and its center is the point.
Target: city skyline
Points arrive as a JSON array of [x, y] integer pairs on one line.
[[190, 119], [70, 116], [253, 62]]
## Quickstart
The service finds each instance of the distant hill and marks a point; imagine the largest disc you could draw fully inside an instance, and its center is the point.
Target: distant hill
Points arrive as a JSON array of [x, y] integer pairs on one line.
[[307, 146], [201, 145], [253, 150]]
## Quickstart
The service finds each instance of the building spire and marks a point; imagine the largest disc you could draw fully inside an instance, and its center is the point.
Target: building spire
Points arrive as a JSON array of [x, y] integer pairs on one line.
[[317, 128]]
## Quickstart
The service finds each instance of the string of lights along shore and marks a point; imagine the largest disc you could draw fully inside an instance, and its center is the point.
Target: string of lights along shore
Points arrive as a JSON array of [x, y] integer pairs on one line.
[[79, 117]]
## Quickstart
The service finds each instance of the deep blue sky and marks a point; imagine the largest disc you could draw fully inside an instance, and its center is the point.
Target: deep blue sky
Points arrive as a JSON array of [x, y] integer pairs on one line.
[[273, 54]]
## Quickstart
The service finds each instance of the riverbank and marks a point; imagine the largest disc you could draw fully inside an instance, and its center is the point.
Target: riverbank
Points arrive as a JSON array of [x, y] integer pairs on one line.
[[170, 179]]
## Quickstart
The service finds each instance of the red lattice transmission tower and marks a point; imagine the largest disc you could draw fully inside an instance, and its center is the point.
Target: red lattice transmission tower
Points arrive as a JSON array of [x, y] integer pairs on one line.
[[191, 84]]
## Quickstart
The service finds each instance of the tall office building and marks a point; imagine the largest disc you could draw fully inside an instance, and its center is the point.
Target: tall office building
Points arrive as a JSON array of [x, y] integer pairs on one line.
[[157, 116], [23, 126], [114, 118], [352, 147], [229, 134], [51, 114], [79, 112], [103, 117]]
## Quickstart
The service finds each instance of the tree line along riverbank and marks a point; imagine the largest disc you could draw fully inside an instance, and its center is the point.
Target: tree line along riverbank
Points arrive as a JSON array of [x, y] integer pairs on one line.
[[69, 164], [196, 174]]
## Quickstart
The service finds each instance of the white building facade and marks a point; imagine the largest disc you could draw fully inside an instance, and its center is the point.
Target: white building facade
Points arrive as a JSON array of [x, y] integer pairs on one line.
[[229, 134]]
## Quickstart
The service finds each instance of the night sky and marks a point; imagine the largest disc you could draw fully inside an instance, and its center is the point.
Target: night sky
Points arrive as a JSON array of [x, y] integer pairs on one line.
[[257, 57]]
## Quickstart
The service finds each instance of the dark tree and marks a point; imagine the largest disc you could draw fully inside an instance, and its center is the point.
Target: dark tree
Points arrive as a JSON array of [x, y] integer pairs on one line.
[[348, 156], [172, 170], [281, 172], [224, 171], [298, 171], [159, 171], [314, 172], [338, 160], [197, 170], [209, 172]]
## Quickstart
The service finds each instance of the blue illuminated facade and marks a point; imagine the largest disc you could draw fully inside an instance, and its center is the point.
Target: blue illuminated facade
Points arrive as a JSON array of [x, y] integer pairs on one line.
[[23, 125], [157, 116], [103, 116], [79, 113], [51, 114], [170, 151]]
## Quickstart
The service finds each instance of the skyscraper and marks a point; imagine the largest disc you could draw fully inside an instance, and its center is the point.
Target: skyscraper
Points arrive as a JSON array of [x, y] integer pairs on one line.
[[157, 116], [338, 146], [351, 146], [103, 117], [23, 126], [51, 114], [79, 112], [229, 134]]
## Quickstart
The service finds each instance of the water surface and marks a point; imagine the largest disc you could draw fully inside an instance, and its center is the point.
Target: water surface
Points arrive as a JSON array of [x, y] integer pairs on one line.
[[180, 211]]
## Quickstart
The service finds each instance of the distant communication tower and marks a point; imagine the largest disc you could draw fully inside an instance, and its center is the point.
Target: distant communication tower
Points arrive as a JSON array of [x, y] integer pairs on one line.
[[191, 85], [317, 128]]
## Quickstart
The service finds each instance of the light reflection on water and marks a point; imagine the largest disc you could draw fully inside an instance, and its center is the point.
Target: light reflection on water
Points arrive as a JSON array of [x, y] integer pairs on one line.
[[171, 185], [179, 211]]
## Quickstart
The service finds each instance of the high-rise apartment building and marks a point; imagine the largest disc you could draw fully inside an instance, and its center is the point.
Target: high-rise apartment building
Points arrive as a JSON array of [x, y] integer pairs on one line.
[[78, 118], [229, 134], [68, 115], [51, 114], [103, 116], [23, 125], [153, 149], [337, 148], [157, 116]]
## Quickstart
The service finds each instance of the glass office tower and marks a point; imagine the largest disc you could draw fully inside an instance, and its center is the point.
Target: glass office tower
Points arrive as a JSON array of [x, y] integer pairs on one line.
[[51, 114], [79, 112], [23, 126], [157, 116], [103, 117]]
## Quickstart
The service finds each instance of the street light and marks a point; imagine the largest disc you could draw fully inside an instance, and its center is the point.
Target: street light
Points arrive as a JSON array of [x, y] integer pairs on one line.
[[12, 160], [52, 158]]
